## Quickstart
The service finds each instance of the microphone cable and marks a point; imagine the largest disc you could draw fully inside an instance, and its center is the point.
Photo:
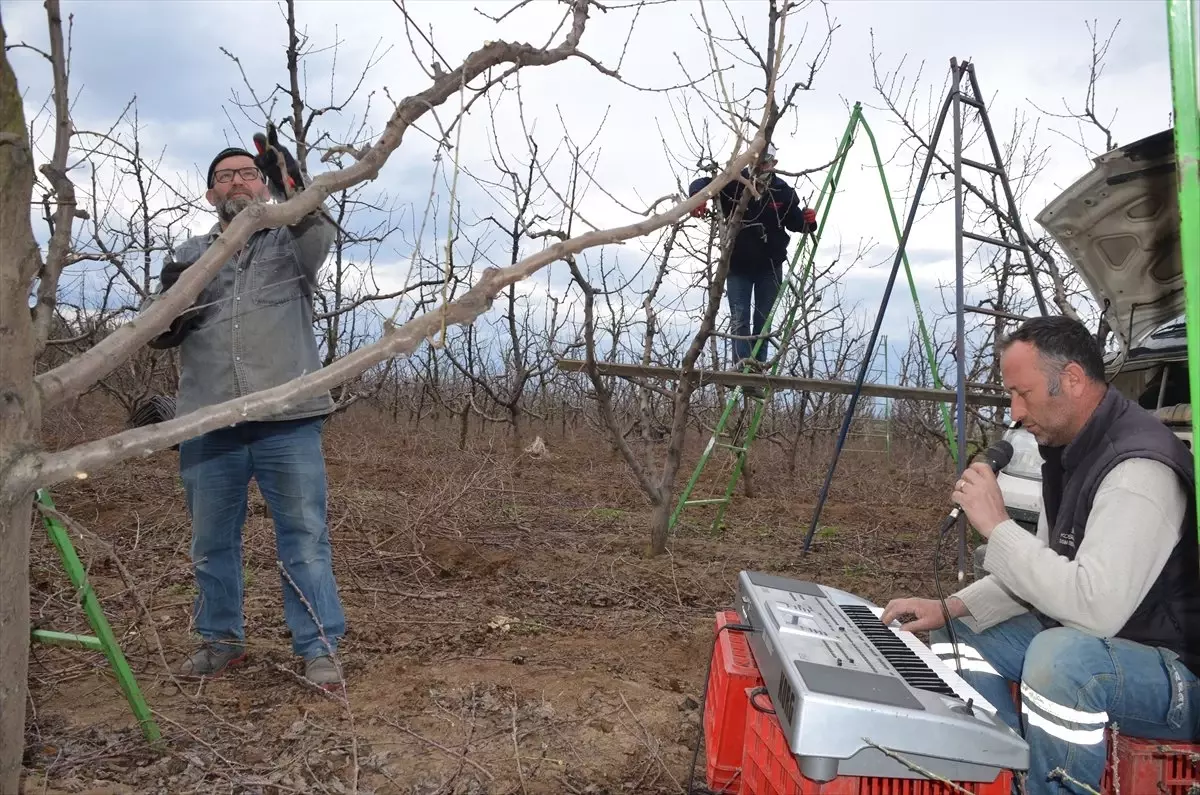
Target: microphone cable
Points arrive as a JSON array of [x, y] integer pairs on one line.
[[937, 585], [998, 456]]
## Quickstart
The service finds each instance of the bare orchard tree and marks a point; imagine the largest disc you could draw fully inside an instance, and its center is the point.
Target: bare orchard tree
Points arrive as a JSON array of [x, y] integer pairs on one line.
[[25, 269], [1093, 135], [131, 217], [827, 342], [517, 352], [738, 114], [920, 421]]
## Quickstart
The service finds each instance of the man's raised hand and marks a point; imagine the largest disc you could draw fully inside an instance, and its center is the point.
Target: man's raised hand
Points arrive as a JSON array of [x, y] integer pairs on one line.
[[277, 165], [170, 273]]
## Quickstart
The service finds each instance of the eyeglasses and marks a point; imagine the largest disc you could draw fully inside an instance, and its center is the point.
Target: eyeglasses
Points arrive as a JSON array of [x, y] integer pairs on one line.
[[250, 174]]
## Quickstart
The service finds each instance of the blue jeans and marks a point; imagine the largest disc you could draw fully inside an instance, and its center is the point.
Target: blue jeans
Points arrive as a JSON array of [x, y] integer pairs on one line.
[[1072, 686], [285, 458], [763, 287]]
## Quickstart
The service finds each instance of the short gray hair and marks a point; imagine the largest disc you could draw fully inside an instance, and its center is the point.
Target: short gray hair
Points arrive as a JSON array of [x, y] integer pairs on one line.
[[1059, 341]]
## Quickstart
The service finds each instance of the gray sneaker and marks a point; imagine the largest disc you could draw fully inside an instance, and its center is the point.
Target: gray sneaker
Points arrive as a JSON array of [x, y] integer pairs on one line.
[[210, 660], [323, 672]]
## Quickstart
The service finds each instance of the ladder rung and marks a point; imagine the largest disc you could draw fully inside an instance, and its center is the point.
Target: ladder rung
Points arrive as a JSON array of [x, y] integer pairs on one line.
[[713, 501], [981, 166], [53, 638], [971, 101], [995, 241]]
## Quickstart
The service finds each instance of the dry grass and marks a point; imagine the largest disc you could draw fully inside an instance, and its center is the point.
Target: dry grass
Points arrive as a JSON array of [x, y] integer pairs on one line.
[[506, 633]]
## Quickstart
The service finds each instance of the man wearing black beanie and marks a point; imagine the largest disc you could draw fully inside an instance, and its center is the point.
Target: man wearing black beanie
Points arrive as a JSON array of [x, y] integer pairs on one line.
[[251, 329]]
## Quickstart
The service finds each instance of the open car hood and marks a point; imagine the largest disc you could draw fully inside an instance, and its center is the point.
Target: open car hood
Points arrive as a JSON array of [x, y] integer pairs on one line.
[[1119, 226]]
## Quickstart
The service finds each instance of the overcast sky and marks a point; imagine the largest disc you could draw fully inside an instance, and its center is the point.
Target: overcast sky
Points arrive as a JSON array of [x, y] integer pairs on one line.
[[168, 55]]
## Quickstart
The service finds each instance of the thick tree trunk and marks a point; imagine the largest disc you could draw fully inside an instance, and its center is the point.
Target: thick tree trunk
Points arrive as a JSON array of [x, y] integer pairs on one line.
[[518, 432], [660, 521], [464, 426], [801, 428], [20, 416], [14, 635]]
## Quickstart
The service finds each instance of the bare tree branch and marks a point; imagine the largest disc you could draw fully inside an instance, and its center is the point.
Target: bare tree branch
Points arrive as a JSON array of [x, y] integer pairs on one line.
[[44, 469], [64, 189], [71, 379]]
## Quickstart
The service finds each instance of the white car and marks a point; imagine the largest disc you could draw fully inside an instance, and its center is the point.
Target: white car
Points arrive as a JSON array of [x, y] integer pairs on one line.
[[1119, 225], [1021, 480]]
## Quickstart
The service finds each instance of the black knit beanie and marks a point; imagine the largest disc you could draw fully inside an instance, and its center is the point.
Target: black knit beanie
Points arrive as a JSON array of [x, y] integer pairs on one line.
[[224, 153]]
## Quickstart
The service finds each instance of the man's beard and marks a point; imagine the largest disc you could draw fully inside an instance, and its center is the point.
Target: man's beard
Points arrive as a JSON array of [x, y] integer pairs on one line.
[[228, 209]]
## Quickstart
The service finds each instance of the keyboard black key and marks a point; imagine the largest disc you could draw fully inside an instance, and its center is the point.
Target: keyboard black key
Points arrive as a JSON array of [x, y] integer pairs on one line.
[[910, 667]]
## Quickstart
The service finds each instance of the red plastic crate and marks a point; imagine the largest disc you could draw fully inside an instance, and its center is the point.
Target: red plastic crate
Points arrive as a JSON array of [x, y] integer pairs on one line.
[[733, 672], [1158, 767], [770, 769]]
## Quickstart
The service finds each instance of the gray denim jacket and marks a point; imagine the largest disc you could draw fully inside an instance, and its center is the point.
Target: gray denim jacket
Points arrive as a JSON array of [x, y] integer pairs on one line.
[[253, 322]]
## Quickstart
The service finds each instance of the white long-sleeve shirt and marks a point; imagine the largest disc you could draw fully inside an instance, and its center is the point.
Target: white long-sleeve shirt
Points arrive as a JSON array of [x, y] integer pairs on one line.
[[1133, 525]]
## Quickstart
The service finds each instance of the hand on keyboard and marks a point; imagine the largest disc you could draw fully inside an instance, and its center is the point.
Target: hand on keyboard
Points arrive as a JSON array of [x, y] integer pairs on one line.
[[919, 615]]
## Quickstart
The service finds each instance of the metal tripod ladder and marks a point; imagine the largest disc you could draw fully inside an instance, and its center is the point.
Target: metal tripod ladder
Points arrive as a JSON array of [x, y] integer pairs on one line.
[[739, 439], [1010, 225]]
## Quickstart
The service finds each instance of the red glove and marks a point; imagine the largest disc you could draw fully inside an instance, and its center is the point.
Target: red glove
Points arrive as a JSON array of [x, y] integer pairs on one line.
[[810, 215], [701, 210]]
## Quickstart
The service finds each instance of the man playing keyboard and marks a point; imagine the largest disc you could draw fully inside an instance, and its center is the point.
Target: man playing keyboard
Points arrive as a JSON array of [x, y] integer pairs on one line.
[[1098, 616]]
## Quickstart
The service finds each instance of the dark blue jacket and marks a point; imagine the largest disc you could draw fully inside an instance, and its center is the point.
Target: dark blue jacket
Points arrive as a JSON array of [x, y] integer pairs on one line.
[[761, 243]]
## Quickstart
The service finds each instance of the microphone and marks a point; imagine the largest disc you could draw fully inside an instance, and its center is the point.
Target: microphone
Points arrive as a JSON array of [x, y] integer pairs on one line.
[[997, 457]]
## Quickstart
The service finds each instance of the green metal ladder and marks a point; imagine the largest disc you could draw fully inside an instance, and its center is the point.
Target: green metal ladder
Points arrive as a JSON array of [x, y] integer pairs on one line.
[[104, 640], [744, 433]]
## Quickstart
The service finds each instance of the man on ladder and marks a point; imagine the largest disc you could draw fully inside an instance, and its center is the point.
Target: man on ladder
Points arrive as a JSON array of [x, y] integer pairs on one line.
[[759, 250]]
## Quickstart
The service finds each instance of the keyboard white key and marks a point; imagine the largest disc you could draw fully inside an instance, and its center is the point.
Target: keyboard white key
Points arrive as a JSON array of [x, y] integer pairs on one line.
[[945, 671]]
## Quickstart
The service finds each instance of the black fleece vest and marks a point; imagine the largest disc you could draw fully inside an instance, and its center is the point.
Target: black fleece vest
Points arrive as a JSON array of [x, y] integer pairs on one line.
[[1169, 615]]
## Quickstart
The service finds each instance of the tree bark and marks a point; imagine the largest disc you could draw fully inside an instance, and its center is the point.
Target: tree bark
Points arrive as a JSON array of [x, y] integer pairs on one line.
[[660, 522], [464, 426], [14, 636], [514, 419], [20, 416]]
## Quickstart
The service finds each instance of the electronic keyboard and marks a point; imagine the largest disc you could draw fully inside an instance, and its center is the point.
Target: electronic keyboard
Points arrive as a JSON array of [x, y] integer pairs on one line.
[[843, 686]]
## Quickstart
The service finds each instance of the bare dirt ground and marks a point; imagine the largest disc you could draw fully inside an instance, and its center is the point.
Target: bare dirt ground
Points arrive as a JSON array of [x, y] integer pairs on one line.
[[506, 632]]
